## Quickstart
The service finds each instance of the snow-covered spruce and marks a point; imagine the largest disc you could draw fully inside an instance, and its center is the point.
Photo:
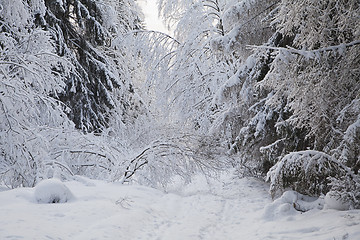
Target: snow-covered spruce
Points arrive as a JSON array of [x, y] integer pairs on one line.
[[52, 191], [306, 172], [345, 193]]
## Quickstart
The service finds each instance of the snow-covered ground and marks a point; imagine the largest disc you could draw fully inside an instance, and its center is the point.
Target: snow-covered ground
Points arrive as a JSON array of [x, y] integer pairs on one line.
[[229, 208]]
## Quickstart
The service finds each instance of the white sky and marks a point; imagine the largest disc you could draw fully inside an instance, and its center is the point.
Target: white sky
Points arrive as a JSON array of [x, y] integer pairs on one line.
[[152, 20]]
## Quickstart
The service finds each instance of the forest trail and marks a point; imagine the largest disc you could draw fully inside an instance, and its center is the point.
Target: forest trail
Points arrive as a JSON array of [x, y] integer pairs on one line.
[[228, 208], [222, 210]]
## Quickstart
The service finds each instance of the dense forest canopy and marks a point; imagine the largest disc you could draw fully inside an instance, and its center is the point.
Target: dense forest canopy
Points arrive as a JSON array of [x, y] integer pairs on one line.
[[271, 88]]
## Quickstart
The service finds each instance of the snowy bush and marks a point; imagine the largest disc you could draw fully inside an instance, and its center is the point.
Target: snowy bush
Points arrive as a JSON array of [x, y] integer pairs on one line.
[[182, 155], [306, 172], [334, 202], [52, 191], [345, 192]]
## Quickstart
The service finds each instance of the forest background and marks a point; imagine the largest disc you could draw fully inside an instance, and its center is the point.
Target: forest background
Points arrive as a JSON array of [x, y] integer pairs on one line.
[[270, 88]]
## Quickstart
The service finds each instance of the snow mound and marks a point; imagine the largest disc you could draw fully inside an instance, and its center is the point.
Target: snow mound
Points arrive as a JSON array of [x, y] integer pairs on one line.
[[292, 203], [333, 202], [283, 206], [52, 191], [2, 189]]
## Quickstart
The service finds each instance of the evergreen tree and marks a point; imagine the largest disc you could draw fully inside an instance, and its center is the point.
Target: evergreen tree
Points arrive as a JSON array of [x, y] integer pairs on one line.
[[57, 61], [82, 30]]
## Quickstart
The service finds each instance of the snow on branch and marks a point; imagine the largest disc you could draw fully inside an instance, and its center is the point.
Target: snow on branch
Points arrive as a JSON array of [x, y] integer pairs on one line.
[[152, 32], [151, 46], [181, 155], [155, 36], [310, 54], [62, 165]]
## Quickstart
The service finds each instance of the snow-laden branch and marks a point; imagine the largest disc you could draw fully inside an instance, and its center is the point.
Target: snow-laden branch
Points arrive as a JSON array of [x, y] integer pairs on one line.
[[19, 65], [181, 155], [61, 165], [153, 32], [310, 54]]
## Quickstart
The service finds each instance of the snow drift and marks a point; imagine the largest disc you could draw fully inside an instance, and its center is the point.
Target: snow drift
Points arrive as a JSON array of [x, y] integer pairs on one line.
[[52, 191]]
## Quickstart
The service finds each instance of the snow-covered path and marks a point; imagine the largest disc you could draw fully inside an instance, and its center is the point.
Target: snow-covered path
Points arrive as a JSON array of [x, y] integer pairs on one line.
[[218, 211], [225, 209]]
